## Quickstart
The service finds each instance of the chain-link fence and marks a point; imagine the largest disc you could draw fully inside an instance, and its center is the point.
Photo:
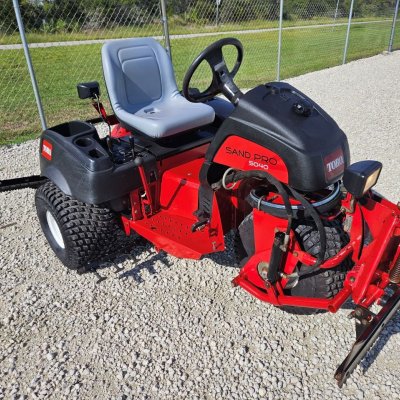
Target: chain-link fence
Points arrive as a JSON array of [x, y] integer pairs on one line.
[[313, 36], [65, 39], [18, 112], [370, 28], [254, 23]]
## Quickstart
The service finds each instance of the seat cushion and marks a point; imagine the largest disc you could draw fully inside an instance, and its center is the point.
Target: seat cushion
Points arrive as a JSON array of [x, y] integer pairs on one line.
[[143, 92], [165, 118]]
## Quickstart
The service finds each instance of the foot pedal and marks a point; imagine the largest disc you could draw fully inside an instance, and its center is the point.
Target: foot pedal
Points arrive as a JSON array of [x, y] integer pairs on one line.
[[198, 226]]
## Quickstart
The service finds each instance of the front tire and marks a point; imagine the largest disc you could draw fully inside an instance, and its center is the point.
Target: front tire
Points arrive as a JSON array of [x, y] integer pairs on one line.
[[80, 234], [324, 283]]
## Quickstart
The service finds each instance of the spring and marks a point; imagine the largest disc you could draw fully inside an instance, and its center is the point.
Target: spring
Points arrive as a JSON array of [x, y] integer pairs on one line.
[[394, 275]]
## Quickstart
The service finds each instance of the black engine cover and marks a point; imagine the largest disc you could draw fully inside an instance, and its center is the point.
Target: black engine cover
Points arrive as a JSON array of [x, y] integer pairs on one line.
[[280, 118]]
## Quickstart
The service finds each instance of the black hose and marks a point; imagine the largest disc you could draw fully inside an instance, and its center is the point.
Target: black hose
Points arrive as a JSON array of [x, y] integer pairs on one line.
[[283, 190], [239, 175], [321, 230]]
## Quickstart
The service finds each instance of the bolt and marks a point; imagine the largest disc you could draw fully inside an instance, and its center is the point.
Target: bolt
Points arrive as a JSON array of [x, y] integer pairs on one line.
[[358, 312], [351, 315], [352, 279]]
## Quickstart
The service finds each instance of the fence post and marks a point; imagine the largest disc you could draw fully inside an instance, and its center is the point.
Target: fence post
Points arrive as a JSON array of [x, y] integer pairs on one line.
[[164, 20], [348, 32], [396, 10], [21, 28], [336, 10], [278, 67], [218, 2]]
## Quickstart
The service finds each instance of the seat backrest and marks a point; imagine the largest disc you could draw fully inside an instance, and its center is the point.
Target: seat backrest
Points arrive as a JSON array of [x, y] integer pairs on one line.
[[137, 73]]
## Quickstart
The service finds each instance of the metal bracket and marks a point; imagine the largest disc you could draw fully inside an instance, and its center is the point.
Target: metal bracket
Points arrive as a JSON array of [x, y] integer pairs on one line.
[[363, 318], [368, 333]]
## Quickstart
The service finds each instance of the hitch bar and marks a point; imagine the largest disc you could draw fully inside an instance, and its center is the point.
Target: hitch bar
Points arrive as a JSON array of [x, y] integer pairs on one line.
[[32, 182], [367, 338]]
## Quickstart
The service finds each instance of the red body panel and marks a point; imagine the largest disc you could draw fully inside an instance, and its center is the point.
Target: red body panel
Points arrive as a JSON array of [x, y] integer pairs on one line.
[[237, 152], [170, 228], [164, 213], [367, 279]]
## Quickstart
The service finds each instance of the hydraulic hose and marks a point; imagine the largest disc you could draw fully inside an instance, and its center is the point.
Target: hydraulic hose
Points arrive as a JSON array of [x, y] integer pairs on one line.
[[240, 175], [321, 230], [283, 190]]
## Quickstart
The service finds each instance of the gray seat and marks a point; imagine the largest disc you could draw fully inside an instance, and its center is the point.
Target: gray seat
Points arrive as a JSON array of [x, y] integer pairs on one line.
[[143, 91]]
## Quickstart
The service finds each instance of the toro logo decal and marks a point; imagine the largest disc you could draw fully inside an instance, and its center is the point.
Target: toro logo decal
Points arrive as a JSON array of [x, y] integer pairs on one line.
[[47, 149], [334, 164]]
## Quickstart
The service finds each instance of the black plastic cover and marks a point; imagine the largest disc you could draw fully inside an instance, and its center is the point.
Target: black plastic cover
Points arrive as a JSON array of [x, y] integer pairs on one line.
[[80, 165], [284, 120], [361, 176], [88, 90], [79, 162]]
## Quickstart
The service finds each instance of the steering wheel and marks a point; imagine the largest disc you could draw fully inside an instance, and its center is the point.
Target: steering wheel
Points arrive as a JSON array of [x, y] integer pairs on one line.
[[222, 80]]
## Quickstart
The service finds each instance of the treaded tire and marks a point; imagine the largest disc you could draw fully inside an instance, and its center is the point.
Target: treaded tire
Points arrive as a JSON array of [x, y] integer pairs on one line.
[[90, 233], [323, 283]]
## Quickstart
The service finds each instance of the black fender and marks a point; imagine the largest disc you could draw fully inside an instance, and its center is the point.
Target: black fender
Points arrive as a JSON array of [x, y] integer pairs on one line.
[[56, 176], [73, 157]]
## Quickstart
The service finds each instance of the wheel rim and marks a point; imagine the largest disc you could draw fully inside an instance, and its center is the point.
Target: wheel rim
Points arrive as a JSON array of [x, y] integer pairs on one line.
[[55, 229]]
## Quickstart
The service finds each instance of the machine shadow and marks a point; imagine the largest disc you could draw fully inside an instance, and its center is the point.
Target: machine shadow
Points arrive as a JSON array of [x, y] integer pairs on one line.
[[145, 265], [224, 259], [140, 246], [392, 328]]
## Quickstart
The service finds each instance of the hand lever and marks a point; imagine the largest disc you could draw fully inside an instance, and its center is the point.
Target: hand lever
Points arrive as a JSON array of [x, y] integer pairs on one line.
[[132, 144]]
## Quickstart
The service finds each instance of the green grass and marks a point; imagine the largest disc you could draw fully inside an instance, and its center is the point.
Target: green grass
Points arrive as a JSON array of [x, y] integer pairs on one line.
[[58, 69], [175, 28]]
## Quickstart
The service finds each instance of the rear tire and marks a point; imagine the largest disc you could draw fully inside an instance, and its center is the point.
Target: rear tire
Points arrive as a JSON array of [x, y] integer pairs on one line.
[[325, 283], [80, 234]]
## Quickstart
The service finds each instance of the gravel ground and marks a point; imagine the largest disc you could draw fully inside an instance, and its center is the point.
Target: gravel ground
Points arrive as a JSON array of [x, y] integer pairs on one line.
[[165, 328]]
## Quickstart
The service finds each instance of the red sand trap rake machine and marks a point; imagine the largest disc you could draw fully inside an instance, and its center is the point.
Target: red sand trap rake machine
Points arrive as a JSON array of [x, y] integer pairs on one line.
[[183, 169]]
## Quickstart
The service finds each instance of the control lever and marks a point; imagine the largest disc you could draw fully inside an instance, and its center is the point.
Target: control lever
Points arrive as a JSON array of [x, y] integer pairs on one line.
[[110, 147], [132, 144]]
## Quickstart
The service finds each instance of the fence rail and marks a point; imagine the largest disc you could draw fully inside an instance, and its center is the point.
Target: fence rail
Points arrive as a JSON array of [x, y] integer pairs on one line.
[[281, 38]]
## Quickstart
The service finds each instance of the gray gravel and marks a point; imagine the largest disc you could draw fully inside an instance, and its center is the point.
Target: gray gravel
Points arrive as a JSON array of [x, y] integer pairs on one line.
[[166, 328]]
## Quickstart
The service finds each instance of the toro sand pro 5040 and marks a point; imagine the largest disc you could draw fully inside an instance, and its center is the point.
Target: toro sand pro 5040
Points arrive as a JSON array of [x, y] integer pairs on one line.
[[183, 170]]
